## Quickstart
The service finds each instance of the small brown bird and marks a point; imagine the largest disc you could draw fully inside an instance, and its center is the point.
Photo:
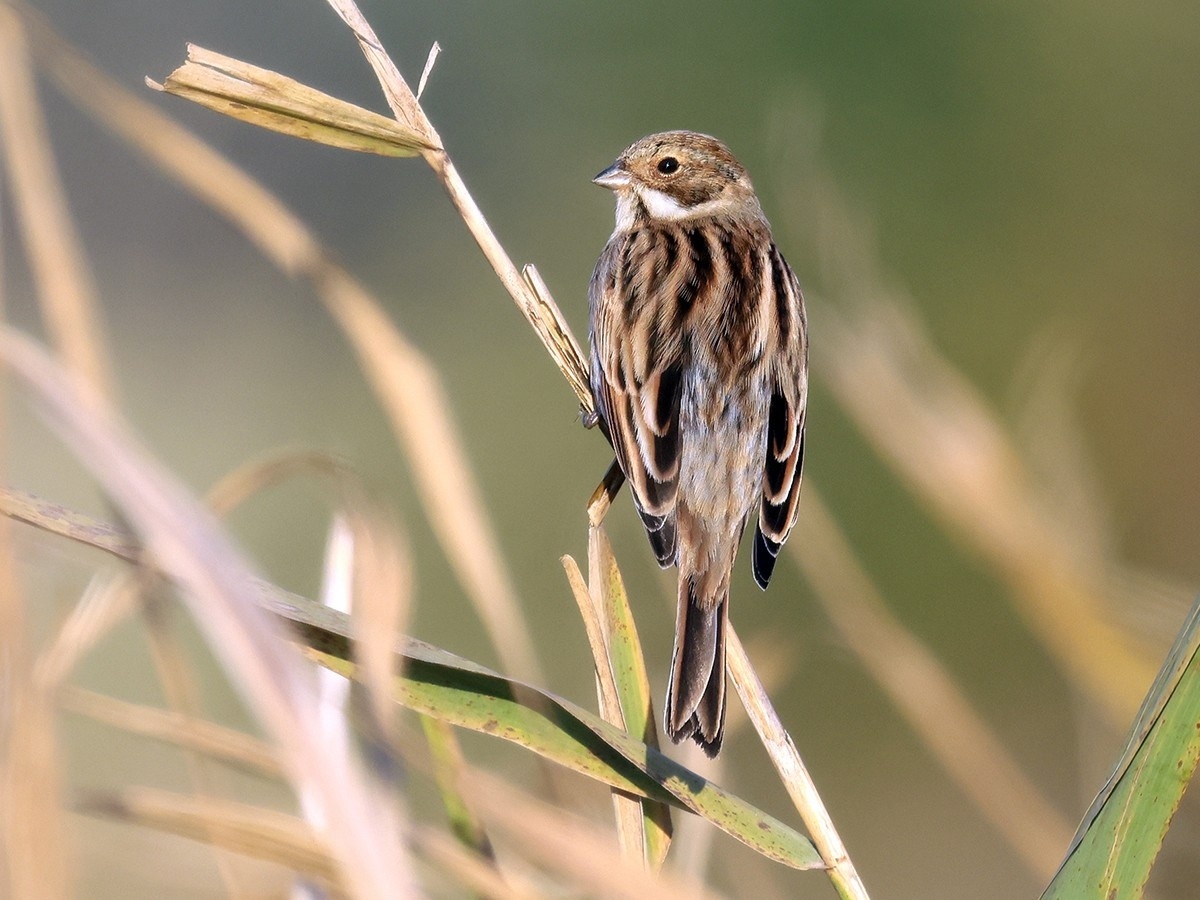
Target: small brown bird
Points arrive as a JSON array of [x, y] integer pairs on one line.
[[700, 373]]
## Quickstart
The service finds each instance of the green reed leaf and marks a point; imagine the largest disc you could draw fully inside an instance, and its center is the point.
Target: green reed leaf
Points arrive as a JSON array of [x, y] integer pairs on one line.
[[1123, 831]]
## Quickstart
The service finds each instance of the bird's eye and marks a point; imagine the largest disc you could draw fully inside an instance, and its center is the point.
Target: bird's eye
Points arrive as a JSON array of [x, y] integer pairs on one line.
[[668, 164]]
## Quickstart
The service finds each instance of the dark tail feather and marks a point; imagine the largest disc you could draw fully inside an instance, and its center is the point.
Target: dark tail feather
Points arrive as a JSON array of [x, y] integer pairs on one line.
[[695, 704]]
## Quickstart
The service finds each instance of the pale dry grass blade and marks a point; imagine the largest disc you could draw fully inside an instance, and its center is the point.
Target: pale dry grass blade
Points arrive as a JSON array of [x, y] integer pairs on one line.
[[34, 859], [949, 446], [366, 560], [941, 437], [221, 744], [926, 695], [337, 593], [792, 771], [250, 830], [606, 686], [628, 810], [217, 585], [258, 475], [382, 603], [60, 268], [407, 385], [278, 838], [169, 657], [108, 600], [472, 696], [1051, 435]]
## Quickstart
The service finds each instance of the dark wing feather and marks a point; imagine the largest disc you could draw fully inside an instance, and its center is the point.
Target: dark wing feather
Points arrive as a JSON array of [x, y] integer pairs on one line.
[[637, 378], [785, 425]]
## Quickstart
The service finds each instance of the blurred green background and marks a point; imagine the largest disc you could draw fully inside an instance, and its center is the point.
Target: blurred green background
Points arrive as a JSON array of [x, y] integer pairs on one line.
[[1025, 171]]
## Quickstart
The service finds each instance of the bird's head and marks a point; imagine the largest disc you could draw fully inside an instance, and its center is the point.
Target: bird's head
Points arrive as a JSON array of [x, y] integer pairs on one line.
[[678, 175]]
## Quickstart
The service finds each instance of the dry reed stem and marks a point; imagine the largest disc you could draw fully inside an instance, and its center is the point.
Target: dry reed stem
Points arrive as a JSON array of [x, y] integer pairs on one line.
[[926, 695], [269, 100], [60, 269], [377, 568], [33, 855], [277, 837], [67, 298], [412, 393], [406, 383], [792, 772]]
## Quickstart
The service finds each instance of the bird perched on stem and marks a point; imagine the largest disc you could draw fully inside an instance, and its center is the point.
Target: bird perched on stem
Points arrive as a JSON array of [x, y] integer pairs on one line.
[[700, 372]]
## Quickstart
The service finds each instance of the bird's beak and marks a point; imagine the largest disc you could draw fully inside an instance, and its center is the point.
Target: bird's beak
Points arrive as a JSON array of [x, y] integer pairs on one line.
[[614, 177]]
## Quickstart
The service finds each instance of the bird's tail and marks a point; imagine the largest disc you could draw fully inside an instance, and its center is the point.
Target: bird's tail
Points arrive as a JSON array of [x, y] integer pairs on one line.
[[695, 705]]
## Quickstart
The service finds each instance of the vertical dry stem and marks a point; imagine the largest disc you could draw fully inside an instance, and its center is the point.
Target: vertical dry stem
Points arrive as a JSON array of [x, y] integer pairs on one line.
[[793, 773], [60, 268]]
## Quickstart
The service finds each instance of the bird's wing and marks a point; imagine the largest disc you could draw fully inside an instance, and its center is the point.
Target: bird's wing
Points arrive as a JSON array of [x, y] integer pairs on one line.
[[637, 377], [785, 427]]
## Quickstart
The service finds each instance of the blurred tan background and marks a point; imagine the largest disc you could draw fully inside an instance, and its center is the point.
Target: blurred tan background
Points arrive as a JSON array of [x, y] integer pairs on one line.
[[1025, 173]]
